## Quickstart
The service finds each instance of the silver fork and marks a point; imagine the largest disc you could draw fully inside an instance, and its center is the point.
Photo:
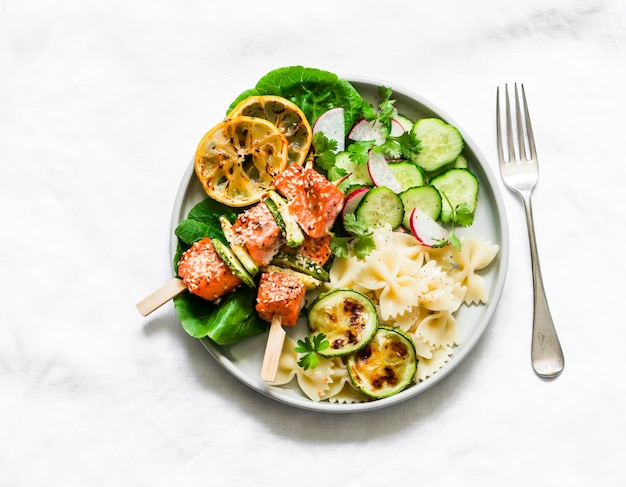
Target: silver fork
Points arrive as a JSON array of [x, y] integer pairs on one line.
[[520, 173]]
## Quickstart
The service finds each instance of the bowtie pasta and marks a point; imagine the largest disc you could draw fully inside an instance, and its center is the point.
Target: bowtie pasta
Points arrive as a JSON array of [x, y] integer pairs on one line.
[[414, 288]]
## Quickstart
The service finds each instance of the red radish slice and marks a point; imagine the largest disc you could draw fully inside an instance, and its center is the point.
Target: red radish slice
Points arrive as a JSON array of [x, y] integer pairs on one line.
[[365, 130], [396, 128], [427, 230], [352, 201], [332, 124], [380, 172]]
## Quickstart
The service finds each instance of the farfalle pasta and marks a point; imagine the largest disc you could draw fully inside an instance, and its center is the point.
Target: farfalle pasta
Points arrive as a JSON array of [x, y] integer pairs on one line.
[[326, 380], [414, 288]]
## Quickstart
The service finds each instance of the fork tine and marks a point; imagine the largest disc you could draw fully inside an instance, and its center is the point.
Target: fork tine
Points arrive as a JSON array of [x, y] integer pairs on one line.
[[521, 146], [499, 127], [509, 125], [529, 129]]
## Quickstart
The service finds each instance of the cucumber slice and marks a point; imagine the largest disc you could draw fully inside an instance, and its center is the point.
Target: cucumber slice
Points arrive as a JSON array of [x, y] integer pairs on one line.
[[457, 186], [386, 365], [358, 173], [300, 263], [406, 122], [232, 262], [425, 198], [239, 250], [407, 174], [284, 219], [460, 162], [441, 143], [381, 206], [347, 318]]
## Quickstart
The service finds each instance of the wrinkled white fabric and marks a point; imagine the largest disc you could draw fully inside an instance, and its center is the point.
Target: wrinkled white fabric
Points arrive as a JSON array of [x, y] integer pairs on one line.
[[102, 105]]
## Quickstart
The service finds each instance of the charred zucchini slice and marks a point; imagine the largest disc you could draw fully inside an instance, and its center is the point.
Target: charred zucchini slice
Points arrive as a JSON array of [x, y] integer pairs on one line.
[[231, 260], [386, 365], [347, 318]]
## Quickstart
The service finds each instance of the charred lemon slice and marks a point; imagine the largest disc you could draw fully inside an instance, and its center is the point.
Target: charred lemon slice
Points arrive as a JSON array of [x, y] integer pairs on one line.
[[287, 116], [238, 159], [386, 365]]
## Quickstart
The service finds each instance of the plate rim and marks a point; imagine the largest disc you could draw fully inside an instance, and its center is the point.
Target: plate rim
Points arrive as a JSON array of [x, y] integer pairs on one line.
[[457, 358]]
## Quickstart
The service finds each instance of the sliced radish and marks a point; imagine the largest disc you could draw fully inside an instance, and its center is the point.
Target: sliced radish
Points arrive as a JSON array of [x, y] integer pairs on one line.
[[427, 230], [397, 128], [352, 201], [332, 124], [380, 172], [365, 130]]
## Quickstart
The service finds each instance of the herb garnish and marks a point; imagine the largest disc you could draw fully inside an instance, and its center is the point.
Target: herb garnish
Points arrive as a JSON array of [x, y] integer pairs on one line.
[[405, 146], [462, 215], [361, 238], [324, 155], [310, 348]]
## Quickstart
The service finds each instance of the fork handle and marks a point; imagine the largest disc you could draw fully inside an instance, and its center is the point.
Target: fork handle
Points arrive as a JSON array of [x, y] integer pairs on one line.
[[546, 353]]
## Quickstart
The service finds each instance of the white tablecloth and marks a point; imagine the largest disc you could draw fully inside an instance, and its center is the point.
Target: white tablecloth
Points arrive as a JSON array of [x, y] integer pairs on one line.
[[101, 107]]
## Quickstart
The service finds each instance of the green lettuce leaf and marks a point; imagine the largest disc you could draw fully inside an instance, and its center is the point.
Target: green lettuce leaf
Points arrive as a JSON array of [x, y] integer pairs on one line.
[[202, 221], [232, 320], [313, 90]]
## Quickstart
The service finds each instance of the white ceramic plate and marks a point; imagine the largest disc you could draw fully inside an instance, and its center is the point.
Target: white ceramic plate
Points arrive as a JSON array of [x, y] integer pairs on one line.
[[243, 360]]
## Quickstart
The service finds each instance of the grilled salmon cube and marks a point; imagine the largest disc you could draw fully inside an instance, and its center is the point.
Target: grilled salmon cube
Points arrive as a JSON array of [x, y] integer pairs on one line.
[[313, 200], [257, 231], [316, 249], [204, 272], [280, 294]]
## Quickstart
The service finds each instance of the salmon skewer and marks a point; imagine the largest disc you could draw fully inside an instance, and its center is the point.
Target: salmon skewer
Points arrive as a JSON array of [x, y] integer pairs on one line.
[[279, 300], [314, 201], [202, 271], [257, 231]]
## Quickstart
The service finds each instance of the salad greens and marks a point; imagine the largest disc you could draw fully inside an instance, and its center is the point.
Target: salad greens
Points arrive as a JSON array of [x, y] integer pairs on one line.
[[232, 320], [315, 91]]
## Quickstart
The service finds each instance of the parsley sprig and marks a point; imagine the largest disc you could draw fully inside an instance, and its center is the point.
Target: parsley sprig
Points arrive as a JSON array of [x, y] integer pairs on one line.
[[361, 239], [309, 348]]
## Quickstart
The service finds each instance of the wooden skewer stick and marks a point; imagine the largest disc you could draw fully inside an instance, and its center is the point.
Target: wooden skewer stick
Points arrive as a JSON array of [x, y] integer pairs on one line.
[[161, 296], [308, 164], [273, 350], [337, 182]]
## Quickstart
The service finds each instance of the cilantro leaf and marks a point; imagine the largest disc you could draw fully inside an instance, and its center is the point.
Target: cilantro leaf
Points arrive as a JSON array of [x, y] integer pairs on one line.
[[324, 151], [386, 107], [355, 225], [339, 246], [462, 215], [359, 151], [363, 246], [368, 110], [362, 240], [309, 349], [403, 146]]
